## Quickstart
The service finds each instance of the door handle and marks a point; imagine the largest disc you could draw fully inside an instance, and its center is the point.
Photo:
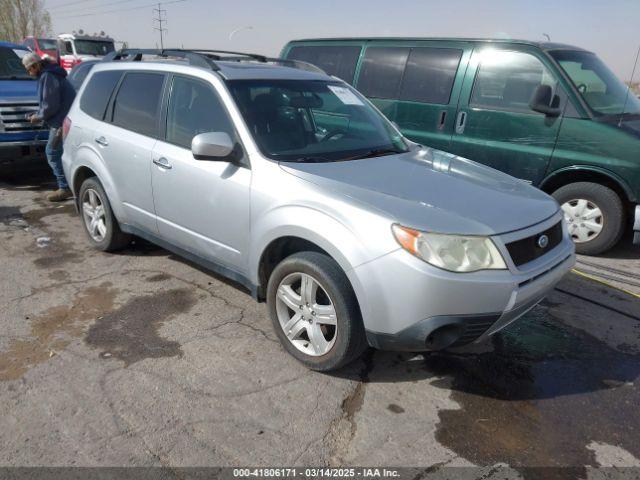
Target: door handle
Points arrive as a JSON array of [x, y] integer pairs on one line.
[[163, 163], [102, 141], [442, 119], [461, 121]]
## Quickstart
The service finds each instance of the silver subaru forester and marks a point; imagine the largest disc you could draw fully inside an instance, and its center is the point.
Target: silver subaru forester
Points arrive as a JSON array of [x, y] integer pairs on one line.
[[291, 183]]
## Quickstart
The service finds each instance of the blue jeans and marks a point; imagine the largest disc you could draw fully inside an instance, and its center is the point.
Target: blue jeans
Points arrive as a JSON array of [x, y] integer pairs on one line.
[[53, 151]]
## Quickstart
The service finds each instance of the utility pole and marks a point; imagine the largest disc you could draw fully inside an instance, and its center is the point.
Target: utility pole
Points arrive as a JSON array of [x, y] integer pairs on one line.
[[161, 19]]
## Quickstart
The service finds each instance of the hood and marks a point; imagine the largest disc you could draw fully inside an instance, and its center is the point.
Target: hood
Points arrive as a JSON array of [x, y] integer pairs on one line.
[[434, 191], [54, 69], [18, 91]]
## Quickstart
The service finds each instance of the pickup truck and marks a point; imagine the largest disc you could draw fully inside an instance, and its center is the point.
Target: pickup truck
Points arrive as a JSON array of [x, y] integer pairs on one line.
[[21, 143]]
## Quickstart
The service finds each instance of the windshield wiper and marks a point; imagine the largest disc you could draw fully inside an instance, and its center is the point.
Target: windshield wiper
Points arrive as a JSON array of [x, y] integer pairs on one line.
[[376, 152], [309, 160]]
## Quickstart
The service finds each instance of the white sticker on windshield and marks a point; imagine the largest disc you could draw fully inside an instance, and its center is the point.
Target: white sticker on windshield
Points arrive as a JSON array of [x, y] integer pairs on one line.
[[345, 95]]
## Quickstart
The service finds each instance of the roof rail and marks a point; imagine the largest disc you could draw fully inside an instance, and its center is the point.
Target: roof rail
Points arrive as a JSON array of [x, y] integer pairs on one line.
[[206, 58]]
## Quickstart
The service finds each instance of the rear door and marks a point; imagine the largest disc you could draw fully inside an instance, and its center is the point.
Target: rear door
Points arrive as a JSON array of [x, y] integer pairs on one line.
[[416, 85], [494, 123], [127, 142], [202, 205]]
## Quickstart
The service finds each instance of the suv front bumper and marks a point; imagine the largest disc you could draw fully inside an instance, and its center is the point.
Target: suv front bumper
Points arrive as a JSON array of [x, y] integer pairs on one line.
[[22, 153], [407, 303]]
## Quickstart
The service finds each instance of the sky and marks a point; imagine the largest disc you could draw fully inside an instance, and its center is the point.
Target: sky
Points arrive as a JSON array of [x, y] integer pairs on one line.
[[609, 28]]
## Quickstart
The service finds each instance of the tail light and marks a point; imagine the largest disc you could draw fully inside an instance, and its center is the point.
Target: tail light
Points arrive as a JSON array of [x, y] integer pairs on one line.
[[66, 127]]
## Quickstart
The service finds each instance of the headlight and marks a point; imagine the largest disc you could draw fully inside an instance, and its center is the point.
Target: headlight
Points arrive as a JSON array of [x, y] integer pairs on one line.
[[455, 253]]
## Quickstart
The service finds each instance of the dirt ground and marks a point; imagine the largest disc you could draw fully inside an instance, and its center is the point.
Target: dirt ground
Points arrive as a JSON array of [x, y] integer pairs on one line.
[[143, 359]]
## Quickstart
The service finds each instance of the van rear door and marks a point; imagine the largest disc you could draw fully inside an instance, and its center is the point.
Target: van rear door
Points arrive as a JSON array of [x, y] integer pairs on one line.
[[416, 84]]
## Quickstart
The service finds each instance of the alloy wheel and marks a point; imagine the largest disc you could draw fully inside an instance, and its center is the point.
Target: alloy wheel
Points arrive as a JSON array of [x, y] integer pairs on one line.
[[94, 215], [306, 314]]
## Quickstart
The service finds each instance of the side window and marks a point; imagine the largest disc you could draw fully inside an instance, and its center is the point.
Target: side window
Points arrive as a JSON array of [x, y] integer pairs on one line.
[[137, 104], [99, 89], [430, 74], [194, 108], [506, 80], [381, 71], [339, 61], [68, 48]]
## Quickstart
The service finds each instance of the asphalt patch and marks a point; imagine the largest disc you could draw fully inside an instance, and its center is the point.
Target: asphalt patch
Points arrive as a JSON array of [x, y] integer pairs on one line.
[[131, 333], [543, 394], [52, 330]]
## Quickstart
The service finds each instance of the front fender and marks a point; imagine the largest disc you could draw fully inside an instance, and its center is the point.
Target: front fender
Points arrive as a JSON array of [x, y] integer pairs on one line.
[[592, 169], [312, 225]]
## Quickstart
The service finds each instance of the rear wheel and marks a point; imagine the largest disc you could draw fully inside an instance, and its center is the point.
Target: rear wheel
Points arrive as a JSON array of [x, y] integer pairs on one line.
[[98, 220], [314, 311], [594, 215]]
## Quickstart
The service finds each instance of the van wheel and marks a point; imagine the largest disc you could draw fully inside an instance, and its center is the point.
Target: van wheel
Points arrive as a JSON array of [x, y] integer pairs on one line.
[[98, 220], [315, 312], [594, 215]]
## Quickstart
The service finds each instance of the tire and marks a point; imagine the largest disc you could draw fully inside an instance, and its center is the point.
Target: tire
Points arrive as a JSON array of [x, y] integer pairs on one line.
[[111, 238], [346, 340], [612, 217]]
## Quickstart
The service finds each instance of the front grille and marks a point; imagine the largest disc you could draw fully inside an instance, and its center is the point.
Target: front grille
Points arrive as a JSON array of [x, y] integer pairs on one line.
[[14, 117], [526, 250]]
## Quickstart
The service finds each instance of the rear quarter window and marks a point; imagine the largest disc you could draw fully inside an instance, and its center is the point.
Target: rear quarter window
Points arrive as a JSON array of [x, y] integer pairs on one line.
[[98, 92]]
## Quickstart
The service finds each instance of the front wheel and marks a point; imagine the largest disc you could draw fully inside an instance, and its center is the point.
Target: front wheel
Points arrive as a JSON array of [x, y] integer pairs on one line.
[[314, 311], [594, 215]]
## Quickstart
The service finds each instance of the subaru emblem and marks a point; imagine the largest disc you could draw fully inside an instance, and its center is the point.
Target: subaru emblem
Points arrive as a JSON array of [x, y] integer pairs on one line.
[[543, 241]]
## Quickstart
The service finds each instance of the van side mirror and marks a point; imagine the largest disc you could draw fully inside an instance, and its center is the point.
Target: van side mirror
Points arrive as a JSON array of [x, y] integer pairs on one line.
[[216, 146], [544, 101]]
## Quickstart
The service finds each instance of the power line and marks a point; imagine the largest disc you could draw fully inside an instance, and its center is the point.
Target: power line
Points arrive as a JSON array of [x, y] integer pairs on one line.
[[71, 8], [119, 10], [160, 20]]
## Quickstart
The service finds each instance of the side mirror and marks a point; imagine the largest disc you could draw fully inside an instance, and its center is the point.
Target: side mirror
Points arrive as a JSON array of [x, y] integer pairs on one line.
[[216, 146], [544, 101]]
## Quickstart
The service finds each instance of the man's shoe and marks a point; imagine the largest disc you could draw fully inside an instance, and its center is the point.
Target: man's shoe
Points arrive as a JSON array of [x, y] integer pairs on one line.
[[60, 195]]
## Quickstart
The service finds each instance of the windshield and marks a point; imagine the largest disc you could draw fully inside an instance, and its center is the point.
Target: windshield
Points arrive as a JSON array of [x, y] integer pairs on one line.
[[10, 65], [47, 44], [598, 85], [93, 47], [313, 121]]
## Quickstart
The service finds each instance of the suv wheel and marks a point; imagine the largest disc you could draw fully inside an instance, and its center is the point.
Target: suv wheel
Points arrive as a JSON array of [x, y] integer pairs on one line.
[[315, 312], [99, 222], [594, 215]]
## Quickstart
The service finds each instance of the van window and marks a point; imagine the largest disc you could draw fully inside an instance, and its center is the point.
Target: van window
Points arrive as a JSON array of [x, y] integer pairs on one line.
[[194, 108], [429, 75], [99, 89], [598, 85], [381, 72], [68, 48], [506, 80], [138, 103], [335, 60]]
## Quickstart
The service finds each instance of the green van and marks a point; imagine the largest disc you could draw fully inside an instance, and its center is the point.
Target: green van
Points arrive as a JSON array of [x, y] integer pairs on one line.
[[552, 115]]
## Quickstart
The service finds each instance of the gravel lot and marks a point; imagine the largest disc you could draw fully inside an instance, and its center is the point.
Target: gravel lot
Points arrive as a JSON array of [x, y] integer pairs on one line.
[[143, 359]]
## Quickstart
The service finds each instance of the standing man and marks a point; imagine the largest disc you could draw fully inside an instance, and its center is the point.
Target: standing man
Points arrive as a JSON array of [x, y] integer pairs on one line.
[[55, 95]]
